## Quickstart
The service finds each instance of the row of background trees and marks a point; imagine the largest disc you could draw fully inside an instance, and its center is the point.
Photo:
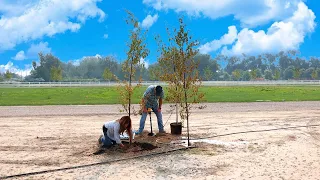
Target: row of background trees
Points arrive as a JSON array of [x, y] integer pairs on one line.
[[281, 66]]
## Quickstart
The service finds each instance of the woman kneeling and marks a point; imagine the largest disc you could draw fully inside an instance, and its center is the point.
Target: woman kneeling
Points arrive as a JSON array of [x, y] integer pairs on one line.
[[113, 129]]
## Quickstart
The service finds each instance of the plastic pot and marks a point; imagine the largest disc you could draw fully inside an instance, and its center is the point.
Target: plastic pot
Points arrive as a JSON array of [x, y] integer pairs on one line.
[[176, 128]]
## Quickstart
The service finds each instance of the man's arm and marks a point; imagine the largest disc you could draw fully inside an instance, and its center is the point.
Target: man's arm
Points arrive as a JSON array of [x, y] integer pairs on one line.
[[160, 103], [160, 100], [143, 104]]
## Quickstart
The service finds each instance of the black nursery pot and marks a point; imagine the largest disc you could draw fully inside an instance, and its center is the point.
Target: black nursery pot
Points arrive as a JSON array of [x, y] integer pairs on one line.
[[176, 128]]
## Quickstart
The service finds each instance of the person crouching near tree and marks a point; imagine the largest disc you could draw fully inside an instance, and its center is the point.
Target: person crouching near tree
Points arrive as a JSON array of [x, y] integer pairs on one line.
[[113, 129]]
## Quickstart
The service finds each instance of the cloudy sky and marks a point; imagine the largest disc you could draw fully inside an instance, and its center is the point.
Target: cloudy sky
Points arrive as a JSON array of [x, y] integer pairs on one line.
[[77, 28]]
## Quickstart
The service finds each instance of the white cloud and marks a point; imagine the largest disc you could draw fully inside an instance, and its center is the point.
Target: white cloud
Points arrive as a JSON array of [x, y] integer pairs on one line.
[[98, 56], [19, 56], [14, 69], [143, 61], [35, 49], [105, 36], [11, 8], [283, 35], [76, 62], [43, 18], [214, 45], [149, 21], [248, 12]]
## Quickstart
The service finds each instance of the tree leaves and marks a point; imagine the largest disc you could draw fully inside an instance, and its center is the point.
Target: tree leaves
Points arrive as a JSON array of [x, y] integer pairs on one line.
[[137, 51], [179, 68]]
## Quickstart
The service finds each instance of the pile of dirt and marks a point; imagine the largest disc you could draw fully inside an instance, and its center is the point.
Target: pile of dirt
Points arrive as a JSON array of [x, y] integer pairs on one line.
[[134, 147], [144, 146], [141, 143]]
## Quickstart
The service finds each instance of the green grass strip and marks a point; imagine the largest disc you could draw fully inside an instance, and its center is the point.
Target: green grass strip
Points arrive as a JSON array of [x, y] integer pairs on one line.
[[109, 95]]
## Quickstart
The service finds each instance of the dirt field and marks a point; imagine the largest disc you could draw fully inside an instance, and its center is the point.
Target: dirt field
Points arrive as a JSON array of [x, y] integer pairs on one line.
[[49, 137]]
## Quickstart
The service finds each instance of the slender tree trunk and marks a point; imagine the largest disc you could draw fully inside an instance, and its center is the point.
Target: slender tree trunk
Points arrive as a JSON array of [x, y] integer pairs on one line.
[[186, 103], [130, 77], [177, 114], [177, 108]]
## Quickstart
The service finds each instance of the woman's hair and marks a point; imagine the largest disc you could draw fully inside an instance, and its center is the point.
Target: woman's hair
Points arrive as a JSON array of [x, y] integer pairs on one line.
[[125, 124]]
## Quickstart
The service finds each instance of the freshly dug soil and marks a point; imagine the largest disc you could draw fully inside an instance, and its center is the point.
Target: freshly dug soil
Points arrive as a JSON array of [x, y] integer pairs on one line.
[[135, 147], [144, 146]]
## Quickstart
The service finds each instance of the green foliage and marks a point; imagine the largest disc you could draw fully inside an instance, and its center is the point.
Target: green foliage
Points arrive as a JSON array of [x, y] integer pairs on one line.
[[47, 62], [208, 74], [56, 73], [137, 51], [268, 75], [314, 74], [179, 68], [110, 95], [154, 72], [253, 74], [289, 73], [226, 76], [296, 73], [277, 74], [236, 75], [107, 74], [93, 67], [8, 75], [258, 73], [206, 62], [246, 76]]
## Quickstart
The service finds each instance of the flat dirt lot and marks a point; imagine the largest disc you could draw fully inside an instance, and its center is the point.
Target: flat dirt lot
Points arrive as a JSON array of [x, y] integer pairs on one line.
[[49, 137]]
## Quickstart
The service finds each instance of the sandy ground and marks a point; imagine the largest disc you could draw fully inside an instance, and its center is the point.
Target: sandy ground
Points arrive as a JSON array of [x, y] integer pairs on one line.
[[48, 137]]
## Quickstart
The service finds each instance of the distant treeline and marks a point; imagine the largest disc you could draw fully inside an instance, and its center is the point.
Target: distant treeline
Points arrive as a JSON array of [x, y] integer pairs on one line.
[[281, 66]]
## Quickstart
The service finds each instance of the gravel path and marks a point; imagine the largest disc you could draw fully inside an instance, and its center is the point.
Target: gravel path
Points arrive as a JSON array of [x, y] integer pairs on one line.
[[89, 110]]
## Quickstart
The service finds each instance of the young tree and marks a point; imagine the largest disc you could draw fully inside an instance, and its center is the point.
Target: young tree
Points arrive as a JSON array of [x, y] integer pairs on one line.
[[56, 73], [137, 51], [46, 63], [288, 73], [226, 76], [296, 73], [107, 74], [8, 75], [154, 72], [277, 74], [246, 76], [254, 74], [236, 75], [208, 74], [314, 74], [179, 69], [268, 75]]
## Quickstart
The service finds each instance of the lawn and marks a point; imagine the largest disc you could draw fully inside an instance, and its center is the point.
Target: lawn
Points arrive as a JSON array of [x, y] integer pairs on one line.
[[109, 95]]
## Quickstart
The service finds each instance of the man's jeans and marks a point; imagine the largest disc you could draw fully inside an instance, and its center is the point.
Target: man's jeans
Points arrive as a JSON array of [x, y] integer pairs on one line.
[[144, 117]]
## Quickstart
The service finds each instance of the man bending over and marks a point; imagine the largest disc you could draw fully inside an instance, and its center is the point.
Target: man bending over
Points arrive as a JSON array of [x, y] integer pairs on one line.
[[152, 98]]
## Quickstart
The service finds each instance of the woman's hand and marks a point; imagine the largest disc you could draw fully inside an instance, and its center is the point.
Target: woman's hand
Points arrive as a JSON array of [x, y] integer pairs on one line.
[[121, 145]]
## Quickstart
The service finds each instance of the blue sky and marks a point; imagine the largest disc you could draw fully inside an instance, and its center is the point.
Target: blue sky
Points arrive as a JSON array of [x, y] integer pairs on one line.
[[75, 29]]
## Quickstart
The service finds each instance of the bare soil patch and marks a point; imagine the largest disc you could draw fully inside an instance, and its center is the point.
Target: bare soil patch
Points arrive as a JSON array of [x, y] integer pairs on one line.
[[49, 139]]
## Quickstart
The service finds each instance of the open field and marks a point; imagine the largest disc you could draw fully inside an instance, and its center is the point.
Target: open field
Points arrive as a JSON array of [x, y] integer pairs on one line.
[[109, 95], [38, 138]]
